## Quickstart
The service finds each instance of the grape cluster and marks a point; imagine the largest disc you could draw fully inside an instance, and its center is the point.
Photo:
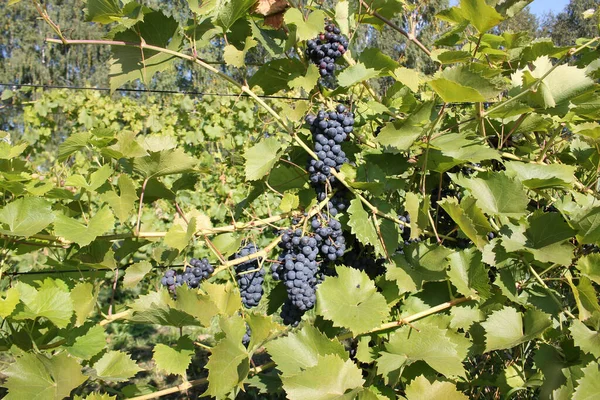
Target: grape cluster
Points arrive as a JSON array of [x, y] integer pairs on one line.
[[191, 276], [330, 238], [291, 314], [250, 277], [326, 48], [329, 130], [297, 268], [364, 259], [247, 336]]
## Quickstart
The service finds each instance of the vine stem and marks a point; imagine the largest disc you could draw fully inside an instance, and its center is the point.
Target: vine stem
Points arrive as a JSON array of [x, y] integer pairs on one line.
[[114, 317], [238, 226], [197, 382], [409, 319], [139, 215]]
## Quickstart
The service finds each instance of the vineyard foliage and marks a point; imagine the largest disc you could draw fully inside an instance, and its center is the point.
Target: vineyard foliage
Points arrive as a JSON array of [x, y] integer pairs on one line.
[[438, 239]]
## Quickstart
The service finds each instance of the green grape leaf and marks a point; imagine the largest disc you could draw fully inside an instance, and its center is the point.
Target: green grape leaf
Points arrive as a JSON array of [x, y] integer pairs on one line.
[[174, 360], [276, 75], [585, 338], [9, 302], [362, 226], [97, 396], [473, 231], [26, 216], [468, 274], [306, 81], [482, 16], [589, 265], [355, 74], [8, 152], [261, 328], [420, 263], [308, 29], [261, 157], [227, 243], [38, 377], [586, 298], [549, 245], [507, 327], [589, 384], [179, 236], [351, 301], [542, 176], [228, 364], [418, 219], [81, 234], [50, 302], [373, 58], [289, 202], [399, 136], [158, 308], [272, 41], [123, 205], [103, 11], [460, 84], [165, 162], [330, 378], [116, 366], [97, 179], [84, 301], [561, 85], [135, 273], [227, 300], [129, 63], [89, 344], [464, 315], [496, 193], [421, 388], [73, 144], [195, 304], [430, 344], [452, 149], [408, 77], [301, 350], [235, 57]]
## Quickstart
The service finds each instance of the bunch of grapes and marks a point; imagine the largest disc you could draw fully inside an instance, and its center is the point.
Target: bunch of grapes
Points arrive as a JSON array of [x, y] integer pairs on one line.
[[291, 314], [326, 48], [297, 268], [364, 259], [330, 238], [247, 336], [329, 130], [191, 276], [250, 277]]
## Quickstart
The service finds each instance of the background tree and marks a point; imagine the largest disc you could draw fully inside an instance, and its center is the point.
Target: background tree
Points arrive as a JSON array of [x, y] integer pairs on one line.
[[568, 25]]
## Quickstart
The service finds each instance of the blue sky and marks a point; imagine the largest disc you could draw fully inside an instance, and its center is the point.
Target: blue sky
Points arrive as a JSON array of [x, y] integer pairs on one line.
[[540, 7]]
